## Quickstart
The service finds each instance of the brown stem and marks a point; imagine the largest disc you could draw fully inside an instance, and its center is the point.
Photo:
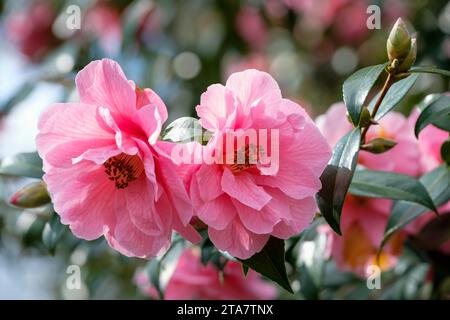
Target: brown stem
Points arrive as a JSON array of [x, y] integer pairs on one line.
[[384, 90]]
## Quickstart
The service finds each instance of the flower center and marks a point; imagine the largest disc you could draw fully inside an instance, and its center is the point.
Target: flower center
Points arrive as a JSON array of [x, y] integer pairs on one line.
[[123, 169], [244, 159]]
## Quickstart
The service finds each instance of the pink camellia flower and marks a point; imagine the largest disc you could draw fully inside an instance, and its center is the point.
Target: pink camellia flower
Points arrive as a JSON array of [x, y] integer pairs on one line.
[[363, 223], [102, 22], [403, 158], [266, 184], [31, 29], [192, 280], [251, 27], [102, 169], [430, 140]]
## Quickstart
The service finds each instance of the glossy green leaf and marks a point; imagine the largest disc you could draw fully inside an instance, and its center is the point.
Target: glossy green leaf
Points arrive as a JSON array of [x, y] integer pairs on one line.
[[52, 233], [270, 262], [357, 87], [435, 233], [185, 129], [389, 185], [337, 177], [437, 112], [437, 183], [394, 95], [433, 70], [166, 265], [23, 165], [445, 152]]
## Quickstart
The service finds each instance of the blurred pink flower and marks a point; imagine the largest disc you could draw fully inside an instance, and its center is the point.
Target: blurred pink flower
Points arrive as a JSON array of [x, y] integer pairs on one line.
[[430, 141], [101, 168], [243, 204], [403, 158], [103, 21], [251, 27], [192, 280], [31, 29], [251, 61], [362, 224]]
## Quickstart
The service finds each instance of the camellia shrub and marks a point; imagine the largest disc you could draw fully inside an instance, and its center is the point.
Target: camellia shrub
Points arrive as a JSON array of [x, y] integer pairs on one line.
[[252, 186]]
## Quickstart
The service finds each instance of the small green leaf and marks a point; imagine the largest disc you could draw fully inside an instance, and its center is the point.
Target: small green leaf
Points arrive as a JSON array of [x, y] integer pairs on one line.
[[433, 70], [337, 177], [52, 233], [445, 152], [185, 129], [357, 87], [270, 263], [437, 183], [389, 185], [394, 95], [23, 165], [437, 113]]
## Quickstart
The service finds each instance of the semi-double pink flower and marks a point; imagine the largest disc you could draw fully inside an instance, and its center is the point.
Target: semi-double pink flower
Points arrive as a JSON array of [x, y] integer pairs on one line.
[[244, 202], [403, 158], [193, 280], [102, 169]]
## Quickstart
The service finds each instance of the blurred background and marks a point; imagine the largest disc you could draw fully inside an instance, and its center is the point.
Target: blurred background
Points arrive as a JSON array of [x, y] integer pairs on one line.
[[177, 48]]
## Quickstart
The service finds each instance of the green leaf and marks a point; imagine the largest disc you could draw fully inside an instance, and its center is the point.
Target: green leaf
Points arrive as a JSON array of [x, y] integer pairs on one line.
[[434, 233], [437, 183], [433, 70], [337, 177], [270, 263], [437, 113], [52, 233], [311, 262], [389, 185], [394, 95], [357, 87], [166, 265], [23, 165], [445, 152], [185, 129]]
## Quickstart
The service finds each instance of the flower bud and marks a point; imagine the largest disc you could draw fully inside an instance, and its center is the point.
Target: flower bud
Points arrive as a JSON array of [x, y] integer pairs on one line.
[[31, 196], [378, 145], [399, 42], [410, 58]]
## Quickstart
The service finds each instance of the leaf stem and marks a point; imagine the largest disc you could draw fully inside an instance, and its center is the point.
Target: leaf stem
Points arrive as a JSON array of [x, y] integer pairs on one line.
[[387, 84]]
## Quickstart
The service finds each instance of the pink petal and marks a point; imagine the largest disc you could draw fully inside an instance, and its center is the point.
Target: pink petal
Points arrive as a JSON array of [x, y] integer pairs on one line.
[[103, 83], [216, 107], [146, 96], [259, 222], [252, 85], [209, 181], [237, 240], [217, 213], [242, 188]]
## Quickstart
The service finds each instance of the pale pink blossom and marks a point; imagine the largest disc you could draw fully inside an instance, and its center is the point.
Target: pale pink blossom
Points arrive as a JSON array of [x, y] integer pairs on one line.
[[251, 27], [31, 29], [192, 280], [102, 169], [103, 22], [363, 222], [403, 158], [243, 204], [430, 141]]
